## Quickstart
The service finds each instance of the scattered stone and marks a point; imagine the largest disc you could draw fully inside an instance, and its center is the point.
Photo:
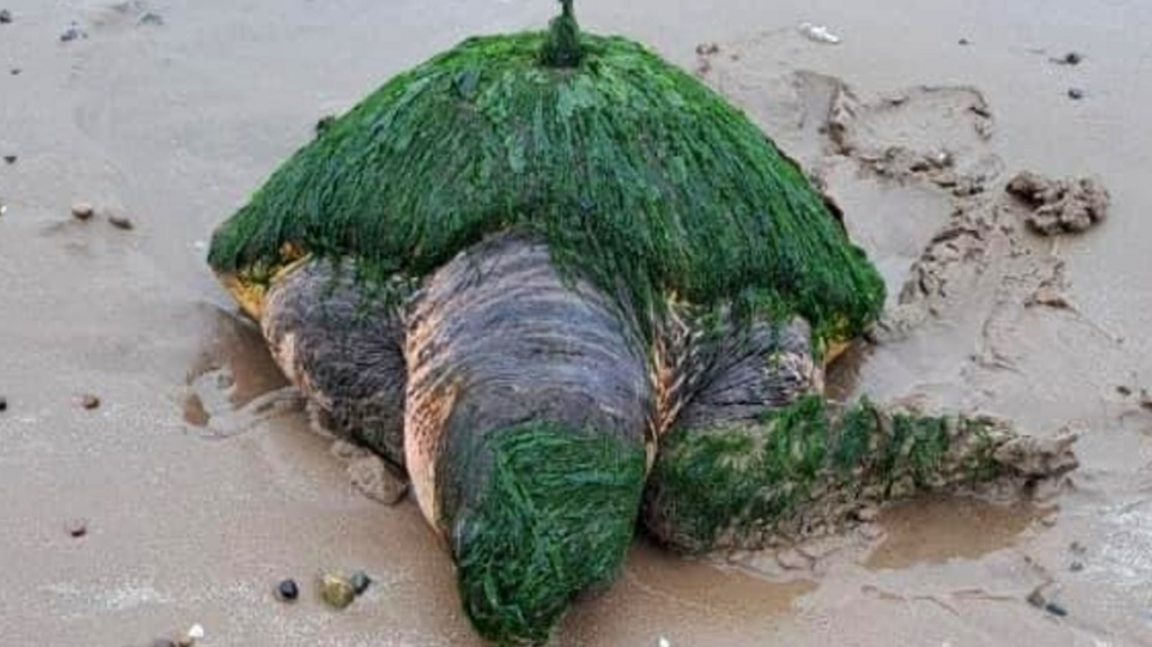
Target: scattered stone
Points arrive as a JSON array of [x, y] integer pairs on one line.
[[121, 222], [77, 528], [1071, 58], [1124, 391], [15, 71], [5, 17], [83, 211], [337, 591], [11, 159], [1048, 296], [1076, 567], [1075, 94], [186, 641], [1078, 548], [71, 33], [1036, 599], [965, 42], [3, 403], [360, 582], [287, 591], [89, 401], [1056, 609], [707, 49], [371, 475], [1060, 206], [163, 642], [1145, 400]]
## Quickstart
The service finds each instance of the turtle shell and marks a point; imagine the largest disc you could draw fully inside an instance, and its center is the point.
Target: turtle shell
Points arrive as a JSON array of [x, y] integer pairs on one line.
[[637, 175]]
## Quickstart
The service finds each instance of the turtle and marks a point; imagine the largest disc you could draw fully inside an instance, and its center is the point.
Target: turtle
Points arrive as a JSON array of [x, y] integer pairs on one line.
[[573, 294]]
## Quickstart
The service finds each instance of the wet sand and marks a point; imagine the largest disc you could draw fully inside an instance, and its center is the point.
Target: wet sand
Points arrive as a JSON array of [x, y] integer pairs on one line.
[[201, 484]]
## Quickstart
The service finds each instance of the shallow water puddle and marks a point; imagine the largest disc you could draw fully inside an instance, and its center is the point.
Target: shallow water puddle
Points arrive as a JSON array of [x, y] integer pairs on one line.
[[932, 531]]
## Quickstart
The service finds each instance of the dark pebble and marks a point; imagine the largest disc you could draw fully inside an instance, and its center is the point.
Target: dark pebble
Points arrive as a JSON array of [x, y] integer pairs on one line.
[[324, 123], [965, 41], [5, 16], [1056, 609], [120, 222], [1075, 94], [90, 402], [77, 528], [1078, 548], [163, 642], [1076, 567], [287, 591], [16, 71], [11, 159], [1037, 600], [1071, 58], [360, 582], [1124, 391], [3, 403]]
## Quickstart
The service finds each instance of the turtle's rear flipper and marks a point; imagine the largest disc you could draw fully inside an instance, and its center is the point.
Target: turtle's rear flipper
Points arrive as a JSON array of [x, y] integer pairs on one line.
[[342, 347], [745, 461]]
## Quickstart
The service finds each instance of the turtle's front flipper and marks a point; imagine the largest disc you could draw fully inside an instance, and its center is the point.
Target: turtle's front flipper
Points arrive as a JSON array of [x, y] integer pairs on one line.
[[732, 474], [342, 347]]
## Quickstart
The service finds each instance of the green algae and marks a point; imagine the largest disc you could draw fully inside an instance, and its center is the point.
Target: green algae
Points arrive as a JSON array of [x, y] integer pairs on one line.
[[637, 175], [749, 478], [555, 516]]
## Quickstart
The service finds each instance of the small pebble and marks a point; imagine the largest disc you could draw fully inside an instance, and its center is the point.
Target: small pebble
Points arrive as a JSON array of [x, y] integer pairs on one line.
[[1124, 391], [163, 642], [287, 591], [1056, 610], [77, 528], [5, 17], [16, 71], [1037, 600], [1078, 548], [89, 401], [1071, 58], [1076, 567], [336, 591], [120, 222], [11, 159], [965, 41], [3, 403], [360, 582], [71, 33], [1075, 94], [82, 211]]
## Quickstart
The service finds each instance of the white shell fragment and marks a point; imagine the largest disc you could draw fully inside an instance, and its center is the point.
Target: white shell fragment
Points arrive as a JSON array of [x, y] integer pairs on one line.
[[196, 632], [819, 34]]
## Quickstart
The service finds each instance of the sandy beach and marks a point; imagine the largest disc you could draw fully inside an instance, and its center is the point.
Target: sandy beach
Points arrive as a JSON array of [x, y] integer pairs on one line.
[[198, 484]]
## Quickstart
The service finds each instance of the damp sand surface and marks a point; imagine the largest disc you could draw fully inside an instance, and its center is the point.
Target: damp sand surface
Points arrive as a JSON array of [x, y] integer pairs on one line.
[[201, 486]]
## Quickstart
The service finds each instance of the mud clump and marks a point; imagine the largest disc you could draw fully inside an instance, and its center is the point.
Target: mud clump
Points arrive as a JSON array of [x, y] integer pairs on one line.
[[1060, 206]]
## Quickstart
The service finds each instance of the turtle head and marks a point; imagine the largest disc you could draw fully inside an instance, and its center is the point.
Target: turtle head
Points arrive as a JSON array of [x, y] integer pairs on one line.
[[553, 516], [250, 285]]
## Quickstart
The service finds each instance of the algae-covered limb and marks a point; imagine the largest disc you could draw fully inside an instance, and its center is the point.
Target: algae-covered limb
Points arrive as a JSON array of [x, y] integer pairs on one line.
[[811, 465]]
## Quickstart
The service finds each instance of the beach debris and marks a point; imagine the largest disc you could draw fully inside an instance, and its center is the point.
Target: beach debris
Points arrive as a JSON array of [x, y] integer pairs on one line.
[[818, 34], [360, 582], [72, 32], [194, 633], [336, 590], [1060, 206], [5, 17], [287, 591], [89, 401], [121, 222], [151, 19], [1071, 58], [82, 210], [11, 159], [1075, 94], [77, 528]]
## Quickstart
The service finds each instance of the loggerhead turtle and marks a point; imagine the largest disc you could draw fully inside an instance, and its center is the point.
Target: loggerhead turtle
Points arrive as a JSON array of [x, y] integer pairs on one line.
[[568, 291]]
